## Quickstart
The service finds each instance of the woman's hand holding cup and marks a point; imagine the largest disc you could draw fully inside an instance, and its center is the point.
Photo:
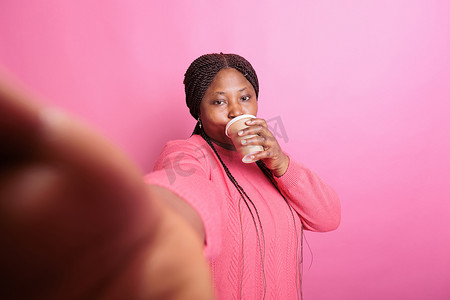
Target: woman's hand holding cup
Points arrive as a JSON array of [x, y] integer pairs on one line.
[[253, 134], [232, 130]]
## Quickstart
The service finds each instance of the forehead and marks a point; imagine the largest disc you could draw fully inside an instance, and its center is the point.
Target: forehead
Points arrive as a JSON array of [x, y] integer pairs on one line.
[[228, 79]]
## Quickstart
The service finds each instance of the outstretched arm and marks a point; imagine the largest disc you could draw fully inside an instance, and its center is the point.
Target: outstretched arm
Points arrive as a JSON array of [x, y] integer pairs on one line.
[[76, 219]]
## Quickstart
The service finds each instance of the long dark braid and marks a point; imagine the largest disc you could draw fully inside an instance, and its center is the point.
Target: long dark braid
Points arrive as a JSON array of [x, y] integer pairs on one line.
[[269, 175], [247, 200], [197, 79]]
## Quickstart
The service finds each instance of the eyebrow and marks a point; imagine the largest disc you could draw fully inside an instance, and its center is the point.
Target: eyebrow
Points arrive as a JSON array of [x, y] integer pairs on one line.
[[222, 93]]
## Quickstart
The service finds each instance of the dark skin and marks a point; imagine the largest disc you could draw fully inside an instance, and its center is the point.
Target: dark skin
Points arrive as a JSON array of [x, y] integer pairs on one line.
[[78, 224], [230, 95]]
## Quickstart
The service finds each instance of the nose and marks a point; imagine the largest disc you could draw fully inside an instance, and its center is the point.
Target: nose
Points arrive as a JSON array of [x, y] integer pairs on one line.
[[235, 109]]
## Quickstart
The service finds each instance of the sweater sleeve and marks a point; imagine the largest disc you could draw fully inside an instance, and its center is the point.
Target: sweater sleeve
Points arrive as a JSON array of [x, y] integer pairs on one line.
[[182, 168], [316, 203]]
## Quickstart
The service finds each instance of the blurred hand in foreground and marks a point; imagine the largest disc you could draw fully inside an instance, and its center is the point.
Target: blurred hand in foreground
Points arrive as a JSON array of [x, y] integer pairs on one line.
[[76, 219]]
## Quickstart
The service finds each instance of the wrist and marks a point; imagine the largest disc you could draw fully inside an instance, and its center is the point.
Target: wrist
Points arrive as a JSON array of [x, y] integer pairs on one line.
[[278, 172]]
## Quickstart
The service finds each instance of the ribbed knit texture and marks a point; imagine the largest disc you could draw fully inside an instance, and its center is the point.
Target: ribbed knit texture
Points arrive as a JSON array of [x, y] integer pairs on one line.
[[190, 169]]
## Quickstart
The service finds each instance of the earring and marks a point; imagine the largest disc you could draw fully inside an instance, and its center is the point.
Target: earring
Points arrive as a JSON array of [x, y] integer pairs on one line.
[[199, 122]]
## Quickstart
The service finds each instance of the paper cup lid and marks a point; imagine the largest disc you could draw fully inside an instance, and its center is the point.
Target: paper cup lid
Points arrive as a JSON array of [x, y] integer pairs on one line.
[[237, 119]]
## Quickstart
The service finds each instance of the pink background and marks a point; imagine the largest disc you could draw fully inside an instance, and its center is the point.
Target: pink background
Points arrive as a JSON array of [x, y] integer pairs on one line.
[[362, 88]]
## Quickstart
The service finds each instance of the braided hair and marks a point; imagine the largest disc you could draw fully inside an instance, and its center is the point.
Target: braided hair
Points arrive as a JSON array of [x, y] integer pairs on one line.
[[197, 79], [202, 71]]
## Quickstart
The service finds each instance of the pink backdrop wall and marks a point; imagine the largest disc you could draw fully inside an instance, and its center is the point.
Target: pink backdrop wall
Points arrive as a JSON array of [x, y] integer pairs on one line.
[[362, 88]]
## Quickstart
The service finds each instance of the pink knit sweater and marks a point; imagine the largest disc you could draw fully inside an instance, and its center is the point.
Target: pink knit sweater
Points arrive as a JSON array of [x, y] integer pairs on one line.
[[191, 169]]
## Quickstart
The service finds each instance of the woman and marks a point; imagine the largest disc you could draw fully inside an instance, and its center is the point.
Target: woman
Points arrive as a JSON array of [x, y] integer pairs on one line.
[[250, 216]]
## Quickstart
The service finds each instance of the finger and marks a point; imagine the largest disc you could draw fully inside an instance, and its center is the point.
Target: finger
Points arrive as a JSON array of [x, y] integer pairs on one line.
[[262, 155], [256, 121], [255, 140], [255, 129]]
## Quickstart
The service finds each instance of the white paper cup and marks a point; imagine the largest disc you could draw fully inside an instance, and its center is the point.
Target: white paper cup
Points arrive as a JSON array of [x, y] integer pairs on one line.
[[231, 130]]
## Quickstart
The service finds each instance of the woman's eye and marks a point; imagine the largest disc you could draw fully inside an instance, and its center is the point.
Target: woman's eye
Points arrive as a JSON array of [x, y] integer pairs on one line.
[[245, 98], [218, 102]]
